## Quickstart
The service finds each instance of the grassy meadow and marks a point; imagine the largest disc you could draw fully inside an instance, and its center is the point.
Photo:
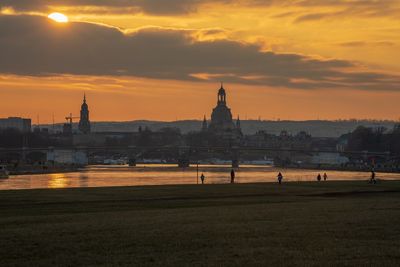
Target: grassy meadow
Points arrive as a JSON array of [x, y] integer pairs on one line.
[[296, 224]]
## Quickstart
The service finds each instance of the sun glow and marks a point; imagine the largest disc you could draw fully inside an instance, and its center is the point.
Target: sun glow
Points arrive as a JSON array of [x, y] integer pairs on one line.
[[58, 17]]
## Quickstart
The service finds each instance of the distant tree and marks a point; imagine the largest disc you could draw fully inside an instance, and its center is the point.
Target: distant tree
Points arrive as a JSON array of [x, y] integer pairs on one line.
[[170, 136], [197, 139], [366, 138], [145, 137], [11, 138]]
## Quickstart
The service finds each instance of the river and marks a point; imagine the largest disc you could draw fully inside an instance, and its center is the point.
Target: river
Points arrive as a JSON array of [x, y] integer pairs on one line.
[[101, 176]]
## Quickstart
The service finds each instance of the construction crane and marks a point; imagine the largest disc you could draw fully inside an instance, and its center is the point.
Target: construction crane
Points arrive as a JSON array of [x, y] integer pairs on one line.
[[70, 118]]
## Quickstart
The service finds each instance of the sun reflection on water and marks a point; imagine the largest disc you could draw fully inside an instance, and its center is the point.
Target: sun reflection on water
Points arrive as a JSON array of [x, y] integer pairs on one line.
[[57, 180]]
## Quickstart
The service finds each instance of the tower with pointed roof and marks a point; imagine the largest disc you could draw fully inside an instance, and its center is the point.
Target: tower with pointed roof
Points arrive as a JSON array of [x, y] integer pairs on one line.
[[238, 123], [84, 122], [221, 95], [204, 126]]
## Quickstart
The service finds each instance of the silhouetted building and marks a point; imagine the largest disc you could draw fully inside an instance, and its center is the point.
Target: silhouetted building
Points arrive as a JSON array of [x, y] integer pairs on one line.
[[221, 117], [238, 124], [21, 124], [222, 124], [67, 156], [67, 129], [204, 126], [396, 128], [84, 123], [300, 141]]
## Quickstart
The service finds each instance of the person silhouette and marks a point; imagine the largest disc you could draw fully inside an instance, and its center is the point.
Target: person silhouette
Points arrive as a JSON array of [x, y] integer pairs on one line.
[[280, 177], [373, 180], [319, 177], [202, 177], [232, 176], [325, 176]]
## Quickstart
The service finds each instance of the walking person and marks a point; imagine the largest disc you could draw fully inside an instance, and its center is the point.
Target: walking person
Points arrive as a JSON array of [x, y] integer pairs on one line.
[[325, 176], [319, 177], [280, 177], [372, 180], [202, 177], [232, 176]]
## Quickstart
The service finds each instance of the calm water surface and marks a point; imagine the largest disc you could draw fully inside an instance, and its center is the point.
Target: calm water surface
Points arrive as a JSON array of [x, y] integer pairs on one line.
[[98, 176]]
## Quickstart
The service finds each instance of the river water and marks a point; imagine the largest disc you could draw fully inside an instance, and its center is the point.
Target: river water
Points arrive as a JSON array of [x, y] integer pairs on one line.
[[100, 176]]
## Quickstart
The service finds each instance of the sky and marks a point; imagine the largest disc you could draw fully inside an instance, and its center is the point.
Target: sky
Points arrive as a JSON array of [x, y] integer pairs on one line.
[[164, 60]]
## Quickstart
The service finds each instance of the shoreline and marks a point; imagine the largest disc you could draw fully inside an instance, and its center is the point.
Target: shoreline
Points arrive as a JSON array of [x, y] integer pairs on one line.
[[47, 171], [325, 184], [193, 166], [338, 169]]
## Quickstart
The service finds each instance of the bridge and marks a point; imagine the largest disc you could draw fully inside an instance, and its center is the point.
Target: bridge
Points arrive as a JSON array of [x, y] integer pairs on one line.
[[183, 155]]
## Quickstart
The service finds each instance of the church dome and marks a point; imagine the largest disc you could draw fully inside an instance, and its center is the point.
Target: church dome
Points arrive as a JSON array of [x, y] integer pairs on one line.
[[221, 116], [221, 123]]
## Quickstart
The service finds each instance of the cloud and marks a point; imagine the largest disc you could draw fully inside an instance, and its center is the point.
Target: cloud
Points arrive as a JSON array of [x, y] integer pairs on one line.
[[157, 7], [365, 43], [313, 16], [338, 8], [33, 45]]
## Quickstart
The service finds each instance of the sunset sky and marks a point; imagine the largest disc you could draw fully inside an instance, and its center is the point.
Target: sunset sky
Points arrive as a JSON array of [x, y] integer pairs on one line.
[[164, 60]]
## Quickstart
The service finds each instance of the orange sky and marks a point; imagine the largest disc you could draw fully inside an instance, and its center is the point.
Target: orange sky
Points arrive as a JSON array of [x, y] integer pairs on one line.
[[281, 36]]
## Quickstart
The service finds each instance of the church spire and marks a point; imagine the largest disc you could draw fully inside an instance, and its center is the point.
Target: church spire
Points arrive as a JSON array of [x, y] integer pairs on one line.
[[238, 122], [204, 125], [84, 122], [221, 95]]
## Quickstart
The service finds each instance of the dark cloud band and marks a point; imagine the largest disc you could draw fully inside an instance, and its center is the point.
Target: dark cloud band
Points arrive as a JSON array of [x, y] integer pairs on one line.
[[339, 8], [33, 45]]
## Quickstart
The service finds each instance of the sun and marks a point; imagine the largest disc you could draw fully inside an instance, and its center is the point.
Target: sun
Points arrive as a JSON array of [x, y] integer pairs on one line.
[[58, 17]]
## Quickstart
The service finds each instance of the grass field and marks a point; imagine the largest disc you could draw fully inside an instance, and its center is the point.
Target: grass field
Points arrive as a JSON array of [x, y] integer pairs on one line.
[[295, 224]]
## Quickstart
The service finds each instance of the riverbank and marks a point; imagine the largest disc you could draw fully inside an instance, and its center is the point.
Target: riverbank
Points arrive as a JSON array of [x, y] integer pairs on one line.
[[28, 170], [349, 168], [107, 176], [298, 223]]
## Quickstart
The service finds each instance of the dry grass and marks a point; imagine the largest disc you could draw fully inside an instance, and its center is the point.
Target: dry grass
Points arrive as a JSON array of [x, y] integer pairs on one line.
[[306, 224]]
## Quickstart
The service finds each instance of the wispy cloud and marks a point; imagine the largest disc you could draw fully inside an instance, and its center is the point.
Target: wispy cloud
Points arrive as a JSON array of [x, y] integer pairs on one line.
[[366, 43]]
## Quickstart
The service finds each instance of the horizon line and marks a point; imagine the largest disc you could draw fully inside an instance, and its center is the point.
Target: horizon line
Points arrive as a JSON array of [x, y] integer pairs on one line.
[[251, 119]]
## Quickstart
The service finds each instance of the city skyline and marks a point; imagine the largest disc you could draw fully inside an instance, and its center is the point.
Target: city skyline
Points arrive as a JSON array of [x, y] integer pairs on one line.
[[199, 132], [293, 60], [49, 119], [74, 111]]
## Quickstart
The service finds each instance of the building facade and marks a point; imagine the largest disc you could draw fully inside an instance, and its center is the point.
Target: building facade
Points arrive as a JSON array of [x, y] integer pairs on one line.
[[20, 124], [67, 156]]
